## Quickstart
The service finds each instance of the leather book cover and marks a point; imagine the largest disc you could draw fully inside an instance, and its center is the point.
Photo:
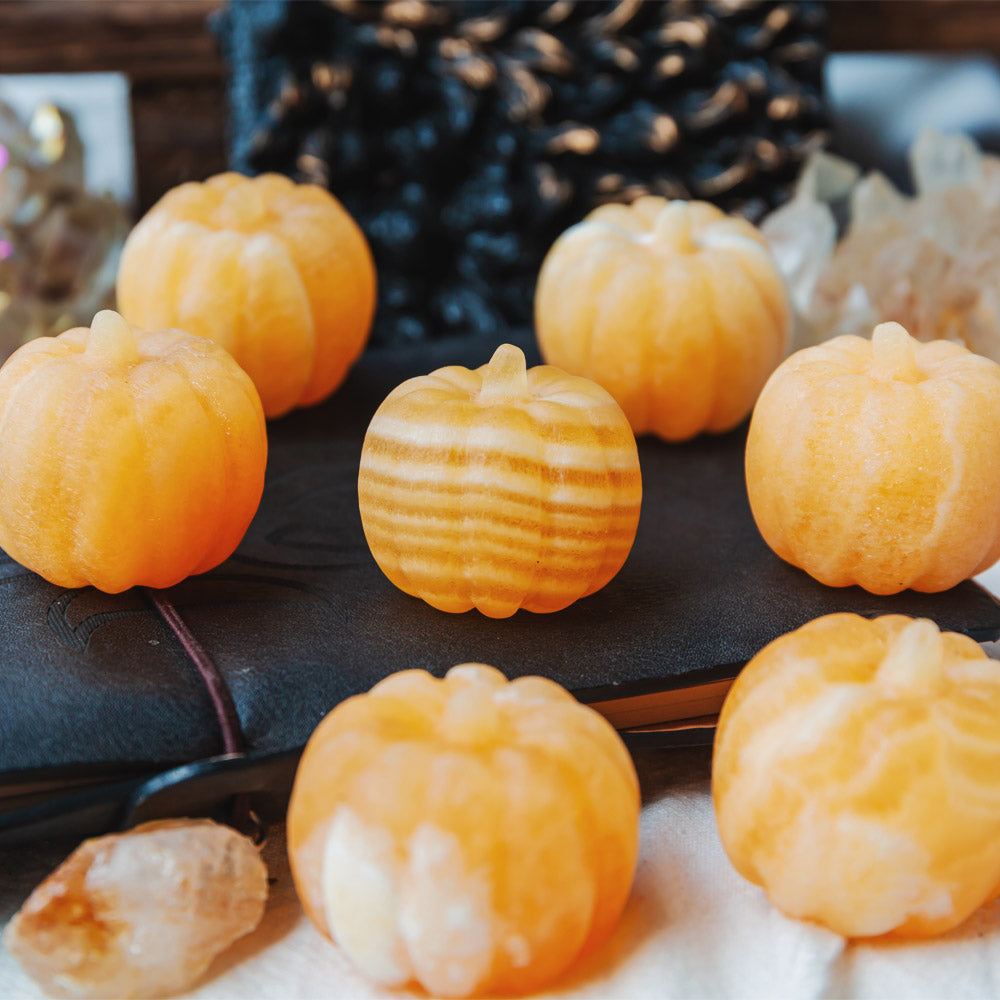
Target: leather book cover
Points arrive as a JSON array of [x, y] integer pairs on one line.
[[94, 686]]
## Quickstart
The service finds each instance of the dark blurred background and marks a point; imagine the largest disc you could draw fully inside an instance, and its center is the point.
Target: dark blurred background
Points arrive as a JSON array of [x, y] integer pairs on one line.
[[178, 74], [465, 136]]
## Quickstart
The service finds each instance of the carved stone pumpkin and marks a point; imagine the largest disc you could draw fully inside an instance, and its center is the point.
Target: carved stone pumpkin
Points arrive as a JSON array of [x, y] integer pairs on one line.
[[499, 488], [472, 835], [126, 458], [856, 775], [877, 462], [678, 310], [276, 272]]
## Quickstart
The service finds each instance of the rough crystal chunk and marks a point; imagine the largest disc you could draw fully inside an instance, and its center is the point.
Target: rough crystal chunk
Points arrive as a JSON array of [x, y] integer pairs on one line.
[[940, 161], [874, 199], [140, 914], [59, 244], [803, 234], [928, 261]]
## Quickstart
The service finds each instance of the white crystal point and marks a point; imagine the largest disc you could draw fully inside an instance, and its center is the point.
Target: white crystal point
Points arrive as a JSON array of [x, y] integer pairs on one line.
[[939, 161], [991, 181], [140, 914], [857, 315], [875, 198], [826, 178], [982, 330], [802, 235]]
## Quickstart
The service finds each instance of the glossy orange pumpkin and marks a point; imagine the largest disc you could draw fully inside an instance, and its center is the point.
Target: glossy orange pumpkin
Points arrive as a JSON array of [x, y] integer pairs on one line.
[[275, 272], [473, 835], [499, 488], [856, 775], [877, 462], [126, 458], [678, 310]]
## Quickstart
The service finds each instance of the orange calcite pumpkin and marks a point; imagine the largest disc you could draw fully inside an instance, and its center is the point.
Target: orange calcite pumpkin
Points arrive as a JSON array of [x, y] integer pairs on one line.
[[276, 272], [474, 835], [499, 488], [126, 457], [877, 462], [678, 310], [856, 775]]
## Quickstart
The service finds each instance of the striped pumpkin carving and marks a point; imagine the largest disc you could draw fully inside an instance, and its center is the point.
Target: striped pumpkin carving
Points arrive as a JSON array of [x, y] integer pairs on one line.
[[499, 488], [856, 775]]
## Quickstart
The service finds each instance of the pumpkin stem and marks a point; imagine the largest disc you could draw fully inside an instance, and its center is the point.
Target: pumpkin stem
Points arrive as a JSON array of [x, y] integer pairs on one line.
[[673, 227], [913, 664], [111, 343], [506, 375], [894, 354], [470, 717], [249, 210]]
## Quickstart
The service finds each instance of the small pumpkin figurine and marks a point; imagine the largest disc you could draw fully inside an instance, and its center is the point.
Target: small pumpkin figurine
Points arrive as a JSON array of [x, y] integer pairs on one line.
[[678, 310], [474, 835], [126, 458], [856, 775], [276, 272], [877, 462], [499, 488]]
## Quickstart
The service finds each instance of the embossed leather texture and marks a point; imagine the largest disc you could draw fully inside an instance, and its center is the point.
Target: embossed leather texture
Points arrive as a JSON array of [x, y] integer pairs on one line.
[[301, 617]]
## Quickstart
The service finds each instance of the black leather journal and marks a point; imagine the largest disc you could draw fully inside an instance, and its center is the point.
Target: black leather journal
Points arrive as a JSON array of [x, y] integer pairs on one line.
[[104, 717]]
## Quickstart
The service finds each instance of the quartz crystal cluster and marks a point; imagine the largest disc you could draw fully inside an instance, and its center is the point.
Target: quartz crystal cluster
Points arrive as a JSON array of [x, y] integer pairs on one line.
[[59, 244], [140, 914], [927, 261]]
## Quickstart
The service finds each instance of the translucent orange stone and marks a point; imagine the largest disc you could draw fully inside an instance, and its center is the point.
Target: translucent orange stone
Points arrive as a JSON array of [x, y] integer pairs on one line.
[[877, 462], [856, 775], [126, 457], [474, 835], [276, 272], [142, 913], [499, 488], [678, 310]]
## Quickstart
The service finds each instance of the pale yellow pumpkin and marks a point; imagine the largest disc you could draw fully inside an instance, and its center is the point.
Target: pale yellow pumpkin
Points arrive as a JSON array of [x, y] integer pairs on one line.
[[856, 775], [499, 488], [470, 834], [877, 462], [678, 310]]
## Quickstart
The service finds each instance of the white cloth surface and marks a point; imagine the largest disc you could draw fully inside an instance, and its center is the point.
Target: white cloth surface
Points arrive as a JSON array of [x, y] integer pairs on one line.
[[693, 928]]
